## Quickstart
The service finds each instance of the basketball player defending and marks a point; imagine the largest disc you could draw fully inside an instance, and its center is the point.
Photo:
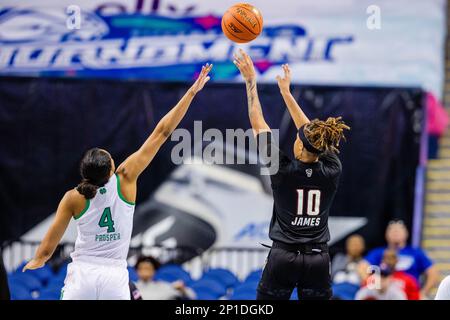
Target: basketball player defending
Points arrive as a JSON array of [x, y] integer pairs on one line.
[[303, 191], [103, 207]]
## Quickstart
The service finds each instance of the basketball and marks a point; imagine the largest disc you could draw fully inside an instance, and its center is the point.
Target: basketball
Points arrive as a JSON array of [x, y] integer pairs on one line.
[[242, 23]]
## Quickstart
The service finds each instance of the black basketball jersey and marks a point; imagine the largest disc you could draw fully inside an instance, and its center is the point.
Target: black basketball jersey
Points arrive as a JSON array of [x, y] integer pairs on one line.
[[302, 193]]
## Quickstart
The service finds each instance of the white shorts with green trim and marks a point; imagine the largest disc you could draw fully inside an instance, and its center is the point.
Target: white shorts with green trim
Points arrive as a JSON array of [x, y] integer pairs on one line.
[[90, 281]]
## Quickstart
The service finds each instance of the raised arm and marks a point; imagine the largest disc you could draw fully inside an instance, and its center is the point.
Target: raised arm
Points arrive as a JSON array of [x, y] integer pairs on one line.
[[133, 166], [245, 65], [295, 111], [66, 208]]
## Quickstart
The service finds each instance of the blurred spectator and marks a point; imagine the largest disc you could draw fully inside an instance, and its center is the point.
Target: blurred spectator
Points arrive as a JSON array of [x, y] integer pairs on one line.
[[146, 267], [344, 268], [411, 260], [443, 292], [386, 289], [406, 282]]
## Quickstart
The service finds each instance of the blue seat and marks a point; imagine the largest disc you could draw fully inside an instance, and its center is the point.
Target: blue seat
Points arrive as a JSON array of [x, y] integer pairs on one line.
[[173, 273], [43, 274], [205, 294], [294, 295], [213, 278], [345, 291], [171, 267], [133, 274], [167, 277], [254, 275], [62, 271], [50, 294], [213, 286], [19, 291], [245, 291], [55, 282], [20, 267], [55, 286], [59, 277], [224, 276], [27, 280], [244, 295], [247, 285]]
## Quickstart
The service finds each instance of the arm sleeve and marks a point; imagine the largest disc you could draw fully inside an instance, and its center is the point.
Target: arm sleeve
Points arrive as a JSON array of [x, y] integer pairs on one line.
[[332, 166]]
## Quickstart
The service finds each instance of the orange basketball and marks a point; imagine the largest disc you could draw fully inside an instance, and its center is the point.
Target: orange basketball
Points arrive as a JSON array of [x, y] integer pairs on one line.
[[242, 23]]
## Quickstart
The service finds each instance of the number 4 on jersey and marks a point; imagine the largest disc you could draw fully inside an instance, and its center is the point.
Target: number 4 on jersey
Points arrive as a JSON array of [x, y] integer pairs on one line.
[[313, 202], [107, 221]]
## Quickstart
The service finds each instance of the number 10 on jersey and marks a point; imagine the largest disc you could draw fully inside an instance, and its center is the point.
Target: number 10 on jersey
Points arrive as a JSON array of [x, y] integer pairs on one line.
[[312, 202]]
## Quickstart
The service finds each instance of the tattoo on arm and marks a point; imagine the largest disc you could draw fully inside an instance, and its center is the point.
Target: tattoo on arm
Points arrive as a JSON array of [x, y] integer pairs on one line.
[[254, 106]]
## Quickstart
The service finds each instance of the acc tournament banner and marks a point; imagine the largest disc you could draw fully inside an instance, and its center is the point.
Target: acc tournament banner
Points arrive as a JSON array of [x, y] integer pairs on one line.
[[352, 42]]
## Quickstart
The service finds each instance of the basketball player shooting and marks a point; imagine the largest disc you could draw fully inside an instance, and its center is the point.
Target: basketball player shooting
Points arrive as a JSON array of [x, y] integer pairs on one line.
[[303, 191], [103, 207]]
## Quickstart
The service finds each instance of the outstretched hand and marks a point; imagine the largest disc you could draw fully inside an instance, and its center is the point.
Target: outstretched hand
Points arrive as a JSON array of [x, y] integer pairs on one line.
[[285, 81], [33, 264], [245, 65], [202, 79]]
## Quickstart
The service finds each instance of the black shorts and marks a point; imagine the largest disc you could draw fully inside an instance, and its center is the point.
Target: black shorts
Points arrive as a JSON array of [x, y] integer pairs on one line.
[[287, 269]]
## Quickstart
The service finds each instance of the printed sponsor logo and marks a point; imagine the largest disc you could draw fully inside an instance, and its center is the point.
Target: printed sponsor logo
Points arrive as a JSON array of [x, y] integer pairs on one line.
[[38, 40]]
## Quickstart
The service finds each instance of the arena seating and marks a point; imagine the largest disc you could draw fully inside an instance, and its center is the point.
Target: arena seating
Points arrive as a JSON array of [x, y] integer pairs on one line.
[[218, 283], [19, 291], [171, 273], [226, 277], [245, 291], [215, 283]]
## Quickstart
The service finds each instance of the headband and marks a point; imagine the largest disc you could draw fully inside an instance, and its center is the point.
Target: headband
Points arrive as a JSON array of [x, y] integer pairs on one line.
[[306, 144]]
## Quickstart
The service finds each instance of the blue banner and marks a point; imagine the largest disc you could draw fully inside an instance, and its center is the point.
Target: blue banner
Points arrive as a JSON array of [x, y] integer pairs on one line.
[[325, 42]]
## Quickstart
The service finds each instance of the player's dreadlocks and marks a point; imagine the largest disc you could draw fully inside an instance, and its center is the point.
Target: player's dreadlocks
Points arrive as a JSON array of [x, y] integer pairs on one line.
[[326, 135]]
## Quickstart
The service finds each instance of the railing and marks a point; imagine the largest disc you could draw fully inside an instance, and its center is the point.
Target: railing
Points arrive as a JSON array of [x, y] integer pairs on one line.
[[240, 261]]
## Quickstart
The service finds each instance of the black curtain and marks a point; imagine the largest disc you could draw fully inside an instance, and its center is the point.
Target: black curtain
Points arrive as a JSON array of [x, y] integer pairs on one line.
[[47, 123]]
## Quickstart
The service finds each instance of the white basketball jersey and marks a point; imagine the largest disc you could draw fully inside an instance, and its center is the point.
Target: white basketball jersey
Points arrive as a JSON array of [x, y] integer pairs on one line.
[[105, 225]]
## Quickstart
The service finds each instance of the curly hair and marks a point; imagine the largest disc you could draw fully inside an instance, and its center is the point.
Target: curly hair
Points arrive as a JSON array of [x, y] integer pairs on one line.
[[326, 135]]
